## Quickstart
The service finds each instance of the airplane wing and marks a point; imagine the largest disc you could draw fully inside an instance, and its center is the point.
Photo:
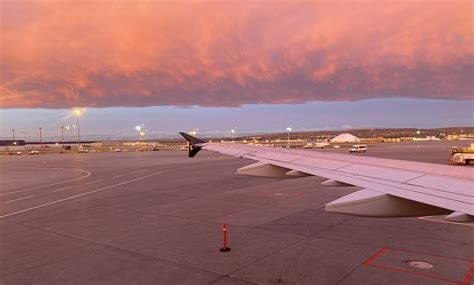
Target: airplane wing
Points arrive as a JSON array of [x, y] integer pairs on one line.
[[391, 188]]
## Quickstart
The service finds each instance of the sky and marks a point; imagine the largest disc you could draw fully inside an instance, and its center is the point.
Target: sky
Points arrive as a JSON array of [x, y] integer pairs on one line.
[[250, 65]]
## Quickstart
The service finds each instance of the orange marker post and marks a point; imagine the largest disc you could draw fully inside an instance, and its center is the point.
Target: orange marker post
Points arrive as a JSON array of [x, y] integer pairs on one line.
[[224, 236]]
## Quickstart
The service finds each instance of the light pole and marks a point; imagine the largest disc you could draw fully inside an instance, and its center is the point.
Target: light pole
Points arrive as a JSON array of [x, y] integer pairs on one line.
[[288, 130], [62, 136], [233, 132], [13, 132], [41, 137], [78, 113], [141, 131]]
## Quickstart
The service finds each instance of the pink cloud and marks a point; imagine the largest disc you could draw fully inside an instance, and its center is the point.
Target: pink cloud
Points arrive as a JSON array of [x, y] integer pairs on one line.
[[124, 53]]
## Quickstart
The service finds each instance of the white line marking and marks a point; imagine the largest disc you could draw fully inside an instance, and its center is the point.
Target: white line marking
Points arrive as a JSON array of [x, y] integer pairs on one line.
[[117, 176], [102, 189], [86, 193], [93, 182], [52, 184], [65, 188], [14, 200]]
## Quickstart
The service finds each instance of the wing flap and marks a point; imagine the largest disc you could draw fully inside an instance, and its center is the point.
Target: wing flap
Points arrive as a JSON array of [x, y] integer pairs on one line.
[[322, 163], [447, 184], [386, 173]]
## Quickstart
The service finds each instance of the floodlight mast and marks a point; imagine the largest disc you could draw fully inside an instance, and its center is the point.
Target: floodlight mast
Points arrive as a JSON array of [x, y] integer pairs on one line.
[[288, 130], [62, 135], [78, 113]]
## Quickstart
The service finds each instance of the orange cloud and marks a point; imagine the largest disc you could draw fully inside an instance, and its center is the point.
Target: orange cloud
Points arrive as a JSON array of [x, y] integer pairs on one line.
[[126, 53]]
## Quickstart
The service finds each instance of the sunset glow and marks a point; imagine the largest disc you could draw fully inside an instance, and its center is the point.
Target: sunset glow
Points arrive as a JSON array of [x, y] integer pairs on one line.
[[188, 53]]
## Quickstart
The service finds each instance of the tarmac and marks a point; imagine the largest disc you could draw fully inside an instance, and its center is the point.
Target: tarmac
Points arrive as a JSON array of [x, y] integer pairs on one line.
[[156, 218]]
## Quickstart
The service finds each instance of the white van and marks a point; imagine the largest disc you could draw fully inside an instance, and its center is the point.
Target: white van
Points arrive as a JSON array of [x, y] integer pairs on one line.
[[358, 148]]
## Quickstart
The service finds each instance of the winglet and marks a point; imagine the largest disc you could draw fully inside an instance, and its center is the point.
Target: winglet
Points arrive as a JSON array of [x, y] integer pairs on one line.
[[194, 144]]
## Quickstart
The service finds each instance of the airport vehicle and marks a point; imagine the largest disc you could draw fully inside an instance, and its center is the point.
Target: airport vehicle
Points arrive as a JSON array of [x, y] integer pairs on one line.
[[156, 148], [358, 148], [82, 150], [19, 153], [391, 188], [316, 145], [33, 152], [117, 150], [462, 155]]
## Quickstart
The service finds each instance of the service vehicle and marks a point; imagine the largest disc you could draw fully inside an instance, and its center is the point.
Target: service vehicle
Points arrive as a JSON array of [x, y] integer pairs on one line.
[[462, 155], [358, 148]]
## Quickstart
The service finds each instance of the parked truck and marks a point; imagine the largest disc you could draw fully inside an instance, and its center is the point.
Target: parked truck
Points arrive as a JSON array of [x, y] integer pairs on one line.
[[462, 155]]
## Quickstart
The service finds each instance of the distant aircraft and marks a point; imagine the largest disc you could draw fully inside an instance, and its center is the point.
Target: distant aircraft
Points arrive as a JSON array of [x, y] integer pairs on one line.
[[392, 188], [316, 145]]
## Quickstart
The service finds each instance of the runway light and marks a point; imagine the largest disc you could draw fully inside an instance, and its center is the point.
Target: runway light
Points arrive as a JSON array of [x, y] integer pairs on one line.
[[138, 128]]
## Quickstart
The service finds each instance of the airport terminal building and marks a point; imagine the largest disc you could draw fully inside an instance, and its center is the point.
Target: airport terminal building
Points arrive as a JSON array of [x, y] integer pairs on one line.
[[12, 145]]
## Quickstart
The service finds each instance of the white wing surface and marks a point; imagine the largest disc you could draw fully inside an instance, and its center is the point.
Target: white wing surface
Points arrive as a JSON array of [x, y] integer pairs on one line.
[[391, 188]]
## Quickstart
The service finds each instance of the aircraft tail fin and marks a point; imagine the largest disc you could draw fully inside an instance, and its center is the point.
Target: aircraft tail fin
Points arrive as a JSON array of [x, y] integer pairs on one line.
[[194, 144]]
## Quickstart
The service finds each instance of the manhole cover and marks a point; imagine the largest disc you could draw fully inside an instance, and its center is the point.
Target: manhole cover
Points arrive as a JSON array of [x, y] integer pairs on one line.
[[420, 264]]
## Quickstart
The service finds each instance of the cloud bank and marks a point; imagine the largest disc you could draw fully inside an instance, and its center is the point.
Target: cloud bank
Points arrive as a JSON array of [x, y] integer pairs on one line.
[[61, 54]]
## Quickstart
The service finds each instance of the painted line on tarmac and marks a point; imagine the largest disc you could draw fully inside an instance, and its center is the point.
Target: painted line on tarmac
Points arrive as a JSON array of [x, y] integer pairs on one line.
[[88, 193], [88, 183], [105, 188], [62, 189], [141, 170], [19, 199], [117, 176], [52, 184]]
